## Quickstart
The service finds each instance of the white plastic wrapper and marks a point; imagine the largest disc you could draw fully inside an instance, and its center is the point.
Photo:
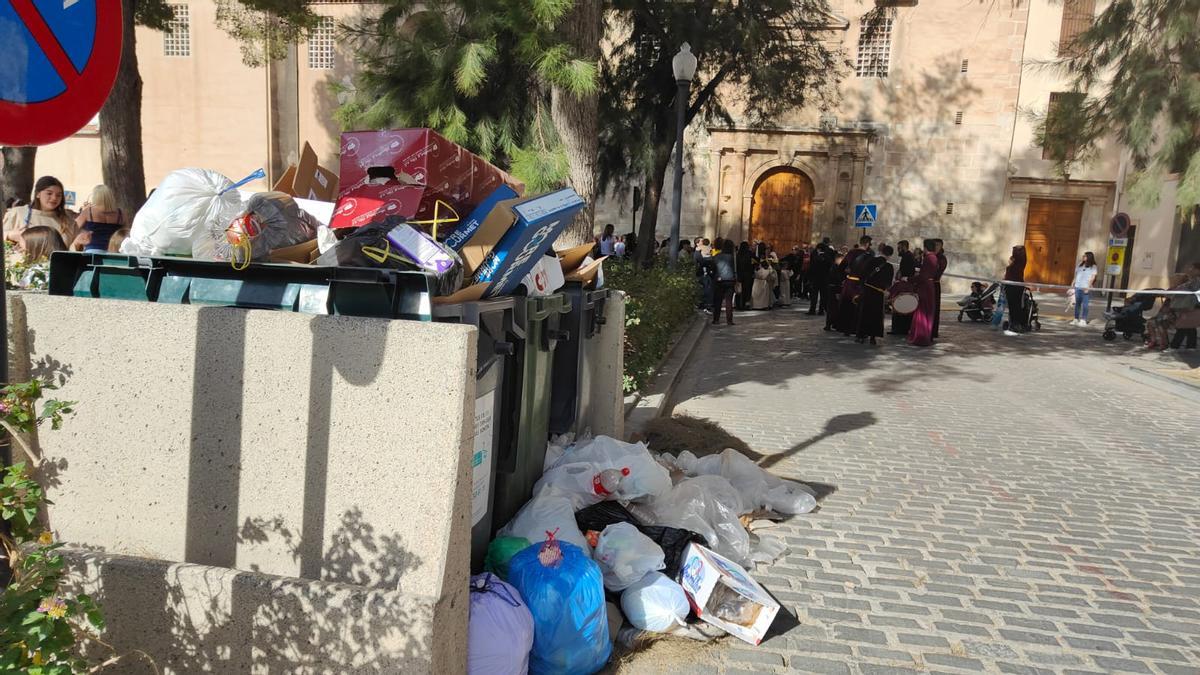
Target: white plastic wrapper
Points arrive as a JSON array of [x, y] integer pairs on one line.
[[708, 506], [647, 478], [184, 202], [625, 555], [655, 603], [544, 514]]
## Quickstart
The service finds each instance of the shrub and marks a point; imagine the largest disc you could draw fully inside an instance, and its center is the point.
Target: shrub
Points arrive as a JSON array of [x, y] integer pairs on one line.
[[658, 303]]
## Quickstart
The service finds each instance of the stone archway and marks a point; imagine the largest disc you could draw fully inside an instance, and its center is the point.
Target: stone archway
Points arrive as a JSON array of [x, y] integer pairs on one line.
[[781, 211]]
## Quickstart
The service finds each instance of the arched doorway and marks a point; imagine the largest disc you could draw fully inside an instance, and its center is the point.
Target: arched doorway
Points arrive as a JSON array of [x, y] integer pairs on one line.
[[782, 208]]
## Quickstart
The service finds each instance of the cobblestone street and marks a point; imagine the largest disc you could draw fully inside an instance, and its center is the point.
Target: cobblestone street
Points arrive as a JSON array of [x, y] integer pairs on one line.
[[1011, 505]]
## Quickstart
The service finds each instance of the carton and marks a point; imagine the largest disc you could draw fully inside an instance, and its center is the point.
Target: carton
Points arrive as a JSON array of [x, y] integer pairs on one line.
[[375, 202], [421, 157], [530, 227], [467, 228], [308, 179], [724, 595]]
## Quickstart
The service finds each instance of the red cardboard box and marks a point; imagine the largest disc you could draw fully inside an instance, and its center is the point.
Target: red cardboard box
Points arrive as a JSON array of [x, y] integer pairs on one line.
[[376, 202], [421, 157]]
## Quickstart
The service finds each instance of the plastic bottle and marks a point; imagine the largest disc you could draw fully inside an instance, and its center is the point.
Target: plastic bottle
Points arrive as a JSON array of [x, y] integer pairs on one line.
[[608, 481]]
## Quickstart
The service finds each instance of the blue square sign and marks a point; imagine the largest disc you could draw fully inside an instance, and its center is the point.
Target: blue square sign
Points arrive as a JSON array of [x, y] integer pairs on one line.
[[864, 215]]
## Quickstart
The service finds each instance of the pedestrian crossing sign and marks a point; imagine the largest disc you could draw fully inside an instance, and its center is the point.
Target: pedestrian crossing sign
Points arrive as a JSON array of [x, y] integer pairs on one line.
[[864, 215]]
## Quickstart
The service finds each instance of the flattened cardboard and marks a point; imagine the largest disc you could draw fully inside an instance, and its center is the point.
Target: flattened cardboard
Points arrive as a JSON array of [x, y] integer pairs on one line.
[[587, 273], [308, 179], [488, 234], [376, 202], [467, 228], [300, 253], [468, 294], [572, 258]]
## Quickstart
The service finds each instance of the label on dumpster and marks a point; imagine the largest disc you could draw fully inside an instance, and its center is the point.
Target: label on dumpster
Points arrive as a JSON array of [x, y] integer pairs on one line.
[[481, 458]]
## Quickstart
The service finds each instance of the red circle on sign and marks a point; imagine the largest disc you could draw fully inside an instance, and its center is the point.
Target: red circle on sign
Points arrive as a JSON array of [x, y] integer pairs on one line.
[[45, 122]]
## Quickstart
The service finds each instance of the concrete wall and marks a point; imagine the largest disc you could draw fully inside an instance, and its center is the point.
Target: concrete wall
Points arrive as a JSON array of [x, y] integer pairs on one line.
[[328, 449]]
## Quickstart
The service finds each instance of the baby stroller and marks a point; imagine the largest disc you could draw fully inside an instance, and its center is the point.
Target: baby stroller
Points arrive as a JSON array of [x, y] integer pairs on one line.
[[1128, 320], [1034, 318], [980, 304]]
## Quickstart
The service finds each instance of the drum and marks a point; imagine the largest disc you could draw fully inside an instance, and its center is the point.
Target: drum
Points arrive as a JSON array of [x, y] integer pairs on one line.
[[905, 303]]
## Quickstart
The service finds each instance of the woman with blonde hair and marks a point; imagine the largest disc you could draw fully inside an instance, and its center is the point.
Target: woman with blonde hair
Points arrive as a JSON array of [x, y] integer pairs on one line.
[[29, 267], [98, 220], [48, 209]]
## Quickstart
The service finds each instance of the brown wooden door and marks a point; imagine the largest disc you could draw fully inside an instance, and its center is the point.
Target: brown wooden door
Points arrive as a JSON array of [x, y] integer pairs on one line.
[[1051, 240], [781, 213]]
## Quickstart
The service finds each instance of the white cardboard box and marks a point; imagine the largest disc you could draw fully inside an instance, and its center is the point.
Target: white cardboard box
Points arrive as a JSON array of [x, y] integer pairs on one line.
[[724, 595]]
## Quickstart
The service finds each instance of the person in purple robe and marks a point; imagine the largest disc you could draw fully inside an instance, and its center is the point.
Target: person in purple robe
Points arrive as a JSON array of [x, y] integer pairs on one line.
[[937, 285], [875, 285], [854, 266], [920, 333]]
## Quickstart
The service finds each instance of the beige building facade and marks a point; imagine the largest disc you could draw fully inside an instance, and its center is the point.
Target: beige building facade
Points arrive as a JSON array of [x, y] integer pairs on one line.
[[931, 123]]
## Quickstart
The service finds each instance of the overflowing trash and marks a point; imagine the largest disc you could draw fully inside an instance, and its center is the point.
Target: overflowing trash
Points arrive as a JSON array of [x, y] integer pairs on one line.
[[500, 628], [664, 538]]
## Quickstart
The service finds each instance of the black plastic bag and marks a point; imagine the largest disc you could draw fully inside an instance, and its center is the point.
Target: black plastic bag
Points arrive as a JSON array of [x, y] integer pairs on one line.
[[673, 540]]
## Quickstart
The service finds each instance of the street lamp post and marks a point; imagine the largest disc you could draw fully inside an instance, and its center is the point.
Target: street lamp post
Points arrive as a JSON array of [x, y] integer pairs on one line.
[[684, 65]]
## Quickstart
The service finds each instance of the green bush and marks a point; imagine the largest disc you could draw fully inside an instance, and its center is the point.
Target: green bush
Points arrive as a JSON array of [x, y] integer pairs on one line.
[[658, 303]]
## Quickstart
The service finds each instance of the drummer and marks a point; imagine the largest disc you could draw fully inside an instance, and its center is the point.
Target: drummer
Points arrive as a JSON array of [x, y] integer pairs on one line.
[[875, 284], [854, 266], [908, 268]]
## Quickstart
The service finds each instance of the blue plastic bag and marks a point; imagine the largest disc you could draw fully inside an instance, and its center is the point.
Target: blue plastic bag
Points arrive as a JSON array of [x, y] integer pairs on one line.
[[564, 590]]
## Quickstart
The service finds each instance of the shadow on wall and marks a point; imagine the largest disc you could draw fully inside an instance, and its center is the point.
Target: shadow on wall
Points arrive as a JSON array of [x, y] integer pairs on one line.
[[194, 619]]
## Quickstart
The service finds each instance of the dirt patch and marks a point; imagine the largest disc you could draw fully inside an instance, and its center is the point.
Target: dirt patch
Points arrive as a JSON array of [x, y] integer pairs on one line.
[[699, 436]]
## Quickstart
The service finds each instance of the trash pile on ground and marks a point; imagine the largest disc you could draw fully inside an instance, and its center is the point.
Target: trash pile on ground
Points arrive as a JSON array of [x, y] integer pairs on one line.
[[405, 199], [617, 541]]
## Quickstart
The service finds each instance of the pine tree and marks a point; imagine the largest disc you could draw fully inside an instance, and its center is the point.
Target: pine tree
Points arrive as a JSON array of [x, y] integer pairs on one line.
[[1135, 76], [757, 59], [478, 71]]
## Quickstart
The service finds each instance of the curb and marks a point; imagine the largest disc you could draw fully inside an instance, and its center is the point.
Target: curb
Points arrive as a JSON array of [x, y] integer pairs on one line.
[[642, 407], [1162, 382]]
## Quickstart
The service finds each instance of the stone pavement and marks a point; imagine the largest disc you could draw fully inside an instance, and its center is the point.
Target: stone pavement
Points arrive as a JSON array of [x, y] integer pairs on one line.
[[1008, 505]]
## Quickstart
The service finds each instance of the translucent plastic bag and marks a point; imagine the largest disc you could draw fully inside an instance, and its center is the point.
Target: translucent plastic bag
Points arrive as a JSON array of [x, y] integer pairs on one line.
[[185, 203], [565, 595], [757, 487], [647, 478], [544, 514], [655, 603], [500, 628], [625, 555], [708, 506], [268, 221], [791, 498]]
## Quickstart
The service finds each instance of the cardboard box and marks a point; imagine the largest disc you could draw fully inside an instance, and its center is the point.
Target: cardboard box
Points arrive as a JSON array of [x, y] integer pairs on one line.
[[724, 595], [375, 202], [425, 158], [308, 179], [467, 228], [545, 278], [530, 227]]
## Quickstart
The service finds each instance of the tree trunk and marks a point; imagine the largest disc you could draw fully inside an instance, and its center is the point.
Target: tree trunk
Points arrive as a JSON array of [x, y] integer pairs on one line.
[[652, 191], [576, 118], [16, 174], [121, 125]]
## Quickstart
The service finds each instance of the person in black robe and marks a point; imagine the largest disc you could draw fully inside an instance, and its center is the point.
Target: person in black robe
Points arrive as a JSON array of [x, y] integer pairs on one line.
[[906, 271], [745, 275], [937, 284], [818, 277], [875, 284], [829, 293], [853, 265]]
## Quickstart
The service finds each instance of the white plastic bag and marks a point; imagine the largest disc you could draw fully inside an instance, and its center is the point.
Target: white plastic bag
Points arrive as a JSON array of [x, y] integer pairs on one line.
[[655, 603], [625, 555], [544, 514], [573, 482], [791, 498], [500, 628], [647, 478], [706, 505], [184, 202]]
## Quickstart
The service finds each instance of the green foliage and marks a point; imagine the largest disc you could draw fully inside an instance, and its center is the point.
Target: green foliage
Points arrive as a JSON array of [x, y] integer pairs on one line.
[[265, 29], [478, 71], [658, 304], [40, 624], [1140, 68], [757, 59]]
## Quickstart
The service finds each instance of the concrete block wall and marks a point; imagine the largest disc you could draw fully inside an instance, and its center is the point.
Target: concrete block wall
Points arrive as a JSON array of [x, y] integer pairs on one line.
[[265, 446]]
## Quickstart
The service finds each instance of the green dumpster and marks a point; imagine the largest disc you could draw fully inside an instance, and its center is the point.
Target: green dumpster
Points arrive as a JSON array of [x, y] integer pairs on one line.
[[527, 403]]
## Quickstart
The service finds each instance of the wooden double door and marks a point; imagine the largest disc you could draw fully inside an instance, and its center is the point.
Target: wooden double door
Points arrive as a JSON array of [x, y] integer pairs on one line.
[[1052, 239], [781, 212]]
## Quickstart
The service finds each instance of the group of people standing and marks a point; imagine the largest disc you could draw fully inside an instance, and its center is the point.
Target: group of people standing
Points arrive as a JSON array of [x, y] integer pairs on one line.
[[856, 287], [750, 278]]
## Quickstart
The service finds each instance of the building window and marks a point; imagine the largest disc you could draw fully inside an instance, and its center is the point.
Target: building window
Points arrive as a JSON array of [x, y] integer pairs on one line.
[[1078, 16], [874, 47], [320, 45], [949, 208], [177, 40], [964, 66], [1057, 125], [958, 117]]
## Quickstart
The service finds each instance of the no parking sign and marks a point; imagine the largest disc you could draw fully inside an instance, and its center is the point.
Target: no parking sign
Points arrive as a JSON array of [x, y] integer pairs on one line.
[[59, 61]]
